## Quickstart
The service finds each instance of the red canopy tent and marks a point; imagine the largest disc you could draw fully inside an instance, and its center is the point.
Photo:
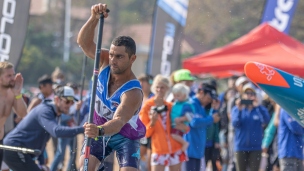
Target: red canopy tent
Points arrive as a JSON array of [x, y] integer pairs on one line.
[[263, 44]]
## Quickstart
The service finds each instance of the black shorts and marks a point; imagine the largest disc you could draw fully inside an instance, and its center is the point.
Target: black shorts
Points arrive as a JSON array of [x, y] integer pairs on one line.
[[146, 142]]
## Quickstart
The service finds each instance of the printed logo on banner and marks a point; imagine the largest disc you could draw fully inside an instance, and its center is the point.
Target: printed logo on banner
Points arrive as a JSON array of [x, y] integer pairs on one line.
[[13, 27], [177, 9], [168, 45], [8, 14], [169, 20], [268, 71], [279, 13]]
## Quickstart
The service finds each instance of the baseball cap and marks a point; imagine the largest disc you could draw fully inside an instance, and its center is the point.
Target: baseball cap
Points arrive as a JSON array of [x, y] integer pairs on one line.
[[183, 75], [249, 86], [240, 80], [66, 92], [210, 89]]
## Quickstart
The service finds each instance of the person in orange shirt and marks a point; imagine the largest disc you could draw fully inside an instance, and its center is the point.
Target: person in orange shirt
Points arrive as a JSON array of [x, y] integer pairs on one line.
[[155, 115]]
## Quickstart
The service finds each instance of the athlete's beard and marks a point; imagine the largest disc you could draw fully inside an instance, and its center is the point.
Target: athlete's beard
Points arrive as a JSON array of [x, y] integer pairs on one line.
[[9, 85], [61, 110], [118, 70]]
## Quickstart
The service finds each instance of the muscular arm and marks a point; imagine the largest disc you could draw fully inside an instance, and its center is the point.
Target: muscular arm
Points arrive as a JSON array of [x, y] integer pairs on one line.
[[130, 103], [86, 38], [34, 103], [20, 107], [47, 121]]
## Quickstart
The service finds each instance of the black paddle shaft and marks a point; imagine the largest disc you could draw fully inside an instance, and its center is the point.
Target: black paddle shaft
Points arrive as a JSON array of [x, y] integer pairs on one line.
[[94, 85]]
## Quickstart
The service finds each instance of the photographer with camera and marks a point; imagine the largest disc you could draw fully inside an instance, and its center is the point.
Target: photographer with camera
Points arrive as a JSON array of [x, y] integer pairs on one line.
[[248, 118], [155, 115]]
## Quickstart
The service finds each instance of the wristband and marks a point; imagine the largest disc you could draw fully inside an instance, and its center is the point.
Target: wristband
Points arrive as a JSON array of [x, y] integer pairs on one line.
[[100, 132], [18, 96]]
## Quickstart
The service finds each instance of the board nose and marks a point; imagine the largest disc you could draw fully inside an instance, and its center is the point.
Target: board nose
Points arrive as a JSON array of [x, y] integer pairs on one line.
[[260, 73]]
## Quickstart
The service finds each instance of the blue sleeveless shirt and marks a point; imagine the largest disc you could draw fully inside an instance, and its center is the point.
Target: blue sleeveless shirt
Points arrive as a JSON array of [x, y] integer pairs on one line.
[[105, 106]]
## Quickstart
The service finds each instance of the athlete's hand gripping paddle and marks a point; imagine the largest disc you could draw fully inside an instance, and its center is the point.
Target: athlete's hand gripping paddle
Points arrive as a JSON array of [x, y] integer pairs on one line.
[[94, 85], [285, 89]]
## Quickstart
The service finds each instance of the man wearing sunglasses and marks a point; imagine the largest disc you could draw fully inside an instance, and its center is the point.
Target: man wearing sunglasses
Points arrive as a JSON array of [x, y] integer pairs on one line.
[[35, 129]]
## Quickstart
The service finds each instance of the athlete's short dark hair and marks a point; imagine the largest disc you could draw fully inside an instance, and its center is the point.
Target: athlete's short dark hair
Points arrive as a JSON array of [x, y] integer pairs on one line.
[[127, 42]]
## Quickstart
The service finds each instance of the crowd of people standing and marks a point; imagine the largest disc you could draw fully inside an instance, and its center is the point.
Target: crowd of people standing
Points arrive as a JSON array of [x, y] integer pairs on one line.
[[239, 129]]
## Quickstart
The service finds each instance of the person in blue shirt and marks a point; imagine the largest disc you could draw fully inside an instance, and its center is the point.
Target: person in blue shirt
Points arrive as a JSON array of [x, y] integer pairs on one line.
[[248, 120], [212, 146], [35, 130], [197, 134], [68, 119], [290, 143]]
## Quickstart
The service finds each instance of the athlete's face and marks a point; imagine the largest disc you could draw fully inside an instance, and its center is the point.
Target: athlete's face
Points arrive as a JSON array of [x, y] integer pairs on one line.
[[119, 59], [161, 89], [63, 105], [7, 78]]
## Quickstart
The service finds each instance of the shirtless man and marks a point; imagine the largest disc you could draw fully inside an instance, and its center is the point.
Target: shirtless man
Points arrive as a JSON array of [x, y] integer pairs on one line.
[[10, 96], [118, 100]]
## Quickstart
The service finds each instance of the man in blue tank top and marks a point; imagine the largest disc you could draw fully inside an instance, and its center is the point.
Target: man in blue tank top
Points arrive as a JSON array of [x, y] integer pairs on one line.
[[116, 126]]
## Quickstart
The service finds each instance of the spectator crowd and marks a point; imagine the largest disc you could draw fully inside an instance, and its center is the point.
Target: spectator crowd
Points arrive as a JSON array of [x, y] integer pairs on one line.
[[191, 127]]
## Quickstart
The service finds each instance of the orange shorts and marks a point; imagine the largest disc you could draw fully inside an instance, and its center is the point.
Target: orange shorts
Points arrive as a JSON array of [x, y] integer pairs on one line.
[[168, 159]]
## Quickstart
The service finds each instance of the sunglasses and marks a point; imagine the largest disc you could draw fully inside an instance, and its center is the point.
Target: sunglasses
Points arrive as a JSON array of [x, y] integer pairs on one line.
[[250, 93], [67, 102]]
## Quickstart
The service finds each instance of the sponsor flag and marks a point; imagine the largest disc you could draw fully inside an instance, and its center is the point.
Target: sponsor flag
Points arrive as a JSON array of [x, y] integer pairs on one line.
[[279, 13], [168, 23], [13, 26]]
